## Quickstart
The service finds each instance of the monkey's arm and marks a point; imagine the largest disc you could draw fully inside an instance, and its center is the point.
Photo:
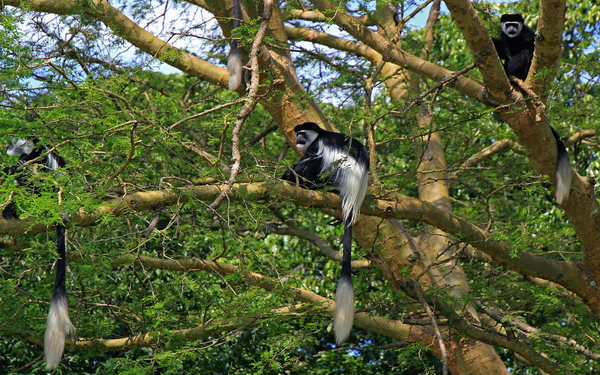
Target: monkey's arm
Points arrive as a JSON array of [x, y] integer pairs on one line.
[[518, 65], [500, 48]]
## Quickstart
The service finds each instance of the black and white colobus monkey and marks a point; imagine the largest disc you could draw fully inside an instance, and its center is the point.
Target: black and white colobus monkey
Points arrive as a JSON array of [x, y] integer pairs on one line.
[[341, 163], [58, 325], [234, 59], [515, 47]]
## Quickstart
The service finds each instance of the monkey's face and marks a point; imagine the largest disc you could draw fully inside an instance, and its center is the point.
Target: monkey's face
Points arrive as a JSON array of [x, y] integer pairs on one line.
[[512, 29], [305, 138], [18, 147]]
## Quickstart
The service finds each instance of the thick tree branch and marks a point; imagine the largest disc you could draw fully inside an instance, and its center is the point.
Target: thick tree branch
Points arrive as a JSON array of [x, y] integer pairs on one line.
[[482, 49], [548, 44], [463, 326], [394, 76], [384, 326], [393, 54], [124, 27], [405, 208], [387, 327]]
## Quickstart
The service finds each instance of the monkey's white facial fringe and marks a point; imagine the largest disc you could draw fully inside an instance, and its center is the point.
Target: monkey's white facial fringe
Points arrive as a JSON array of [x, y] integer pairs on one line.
[[19, 147], [344, 310], [512, 29], [58, 326], [305, 138]]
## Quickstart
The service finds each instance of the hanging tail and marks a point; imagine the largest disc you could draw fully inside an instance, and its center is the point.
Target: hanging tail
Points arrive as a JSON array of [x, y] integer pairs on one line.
[[234, 59], [356, 178], [563, 170], [58, 325], [344, 297]]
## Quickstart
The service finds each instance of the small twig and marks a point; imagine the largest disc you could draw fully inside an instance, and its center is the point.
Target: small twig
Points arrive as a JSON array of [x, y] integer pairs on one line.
[[443, 261], [207, 156], [262, 134], [486, 153], [129, 157], [438, 335], [529, 330], [443, 82], [416, 11], [33, 161], [369, 126], [205, 113], [316, 240], [153, 222]]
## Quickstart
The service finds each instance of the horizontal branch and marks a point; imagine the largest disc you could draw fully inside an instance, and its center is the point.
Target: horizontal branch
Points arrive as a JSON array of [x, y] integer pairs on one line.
[[387, 327], [202, 332], [566, 274], [402, 208], [384, 326], [486, 153]]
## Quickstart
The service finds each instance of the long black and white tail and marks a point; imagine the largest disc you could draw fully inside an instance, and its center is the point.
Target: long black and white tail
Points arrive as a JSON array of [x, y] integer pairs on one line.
[[357, 177], [344, 296], [234, 59], [563, 170], [58, 325]]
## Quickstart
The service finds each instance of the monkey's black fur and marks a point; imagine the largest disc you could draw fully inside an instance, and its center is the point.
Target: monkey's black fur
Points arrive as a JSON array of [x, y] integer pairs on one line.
[[58, 324], [341, 163], [515, 46]]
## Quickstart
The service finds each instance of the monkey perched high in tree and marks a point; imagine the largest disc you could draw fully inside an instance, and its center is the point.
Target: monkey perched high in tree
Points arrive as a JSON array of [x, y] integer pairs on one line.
[[515, 47], [341, 163], [58, 325]]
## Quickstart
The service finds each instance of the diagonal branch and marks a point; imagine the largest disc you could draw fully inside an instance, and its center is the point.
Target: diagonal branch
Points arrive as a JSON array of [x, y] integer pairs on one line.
[[529, 120], [486, 153], [548, 43], [384, 326], [127, 29], [393, 54]]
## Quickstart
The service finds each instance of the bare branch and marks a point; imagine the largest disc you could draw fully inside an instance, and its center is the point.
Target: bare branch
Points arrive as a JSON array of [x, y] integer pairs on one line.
[[251, 100]]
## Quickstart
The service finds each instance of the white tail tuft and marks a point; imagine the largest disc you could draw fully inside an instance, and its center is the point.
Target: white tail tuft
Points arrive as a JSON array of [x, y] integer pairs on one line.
[[58, 327], [563, 179], [344, 310], [234, 65]]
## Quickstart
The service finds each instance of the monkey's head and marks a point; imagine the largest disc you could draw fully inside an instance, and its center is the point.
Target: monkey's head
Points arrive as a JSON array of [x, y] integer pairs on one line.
[[512, 24], [306, 134], [18, 147]]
